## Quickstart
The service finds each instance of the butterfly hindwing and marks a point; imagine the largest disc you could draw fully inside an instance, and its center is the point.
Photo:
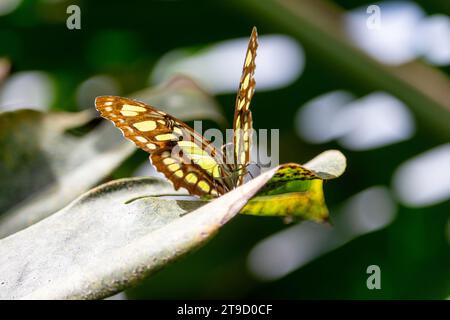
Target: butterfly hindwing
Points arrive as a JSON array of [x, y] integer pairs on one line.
[[176, 150], [242, 124]]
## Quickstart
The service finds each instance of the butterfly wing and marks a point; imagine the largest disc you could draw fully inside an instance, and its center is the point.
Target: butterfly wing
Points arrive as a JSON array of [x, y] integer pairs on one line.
[[242, 124], [186, 158]]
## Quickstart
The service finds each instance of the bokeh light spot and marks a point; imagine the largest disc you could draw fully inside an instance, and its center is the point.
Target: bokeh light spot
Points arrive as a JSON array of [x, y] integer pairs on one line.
[[93, 87], [219, 66], [290, 249], [425, 179], [373, 121], [8, 6], [27, 89]]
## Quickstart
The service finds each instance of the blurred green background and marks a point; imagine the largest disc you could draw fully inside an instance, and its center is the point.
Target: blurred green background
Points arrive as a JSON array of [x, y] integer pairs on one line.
[[325, 79]]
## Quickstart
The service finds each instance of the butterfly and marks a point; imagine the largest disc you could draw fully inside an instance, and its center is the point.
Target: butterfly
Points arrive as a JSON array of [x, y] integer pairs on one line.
[[184, 156]]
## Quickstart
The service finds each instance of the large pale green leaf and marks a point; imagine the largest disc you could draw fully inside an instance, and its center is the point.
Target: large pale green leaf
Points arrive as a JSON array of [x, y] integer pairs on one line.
[[116, 234], [103, 243], [43, 166]]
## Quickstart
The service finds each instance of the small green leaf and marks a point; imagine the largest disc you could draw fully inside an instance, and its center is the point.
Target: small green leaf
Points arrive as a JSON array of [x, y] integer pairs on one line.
[[296, 192]]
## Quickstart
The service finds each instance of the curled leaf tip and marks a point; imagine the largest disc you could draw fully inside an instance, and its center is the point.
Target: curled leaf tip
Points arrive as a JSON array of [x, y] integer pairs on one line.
[[329, 164]]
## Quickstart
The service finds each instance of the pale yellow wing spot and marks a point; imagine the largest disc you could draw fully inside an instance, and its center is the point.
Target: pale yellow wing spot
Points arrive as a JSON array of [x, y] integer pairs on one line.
[[191, 178], [250, 93], [192, 149], [173, 167], [187, 144], [248, 59], [129, 107], [200, 157], [241, 103], [179, 173], [207, 163], [141, 139], [168, 161], [204, 186], [145, 126], [129, 113], [161, 122], [216, 171], [128, 129], [210, 165], [151, 146], [246, 81], [165, 154], [165, 137]]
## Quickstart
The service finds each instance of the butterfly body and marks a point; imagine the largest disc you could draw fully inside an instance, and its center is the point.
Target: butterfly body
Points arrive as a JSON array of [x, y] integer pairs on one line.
[[184, 156]]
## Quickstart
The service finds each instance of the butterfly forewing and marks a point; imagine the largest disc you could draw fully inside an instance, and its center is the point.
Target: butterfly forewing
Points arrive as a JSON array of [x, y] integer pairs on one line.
[[182, 155], [242, 124], [176, 150]]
